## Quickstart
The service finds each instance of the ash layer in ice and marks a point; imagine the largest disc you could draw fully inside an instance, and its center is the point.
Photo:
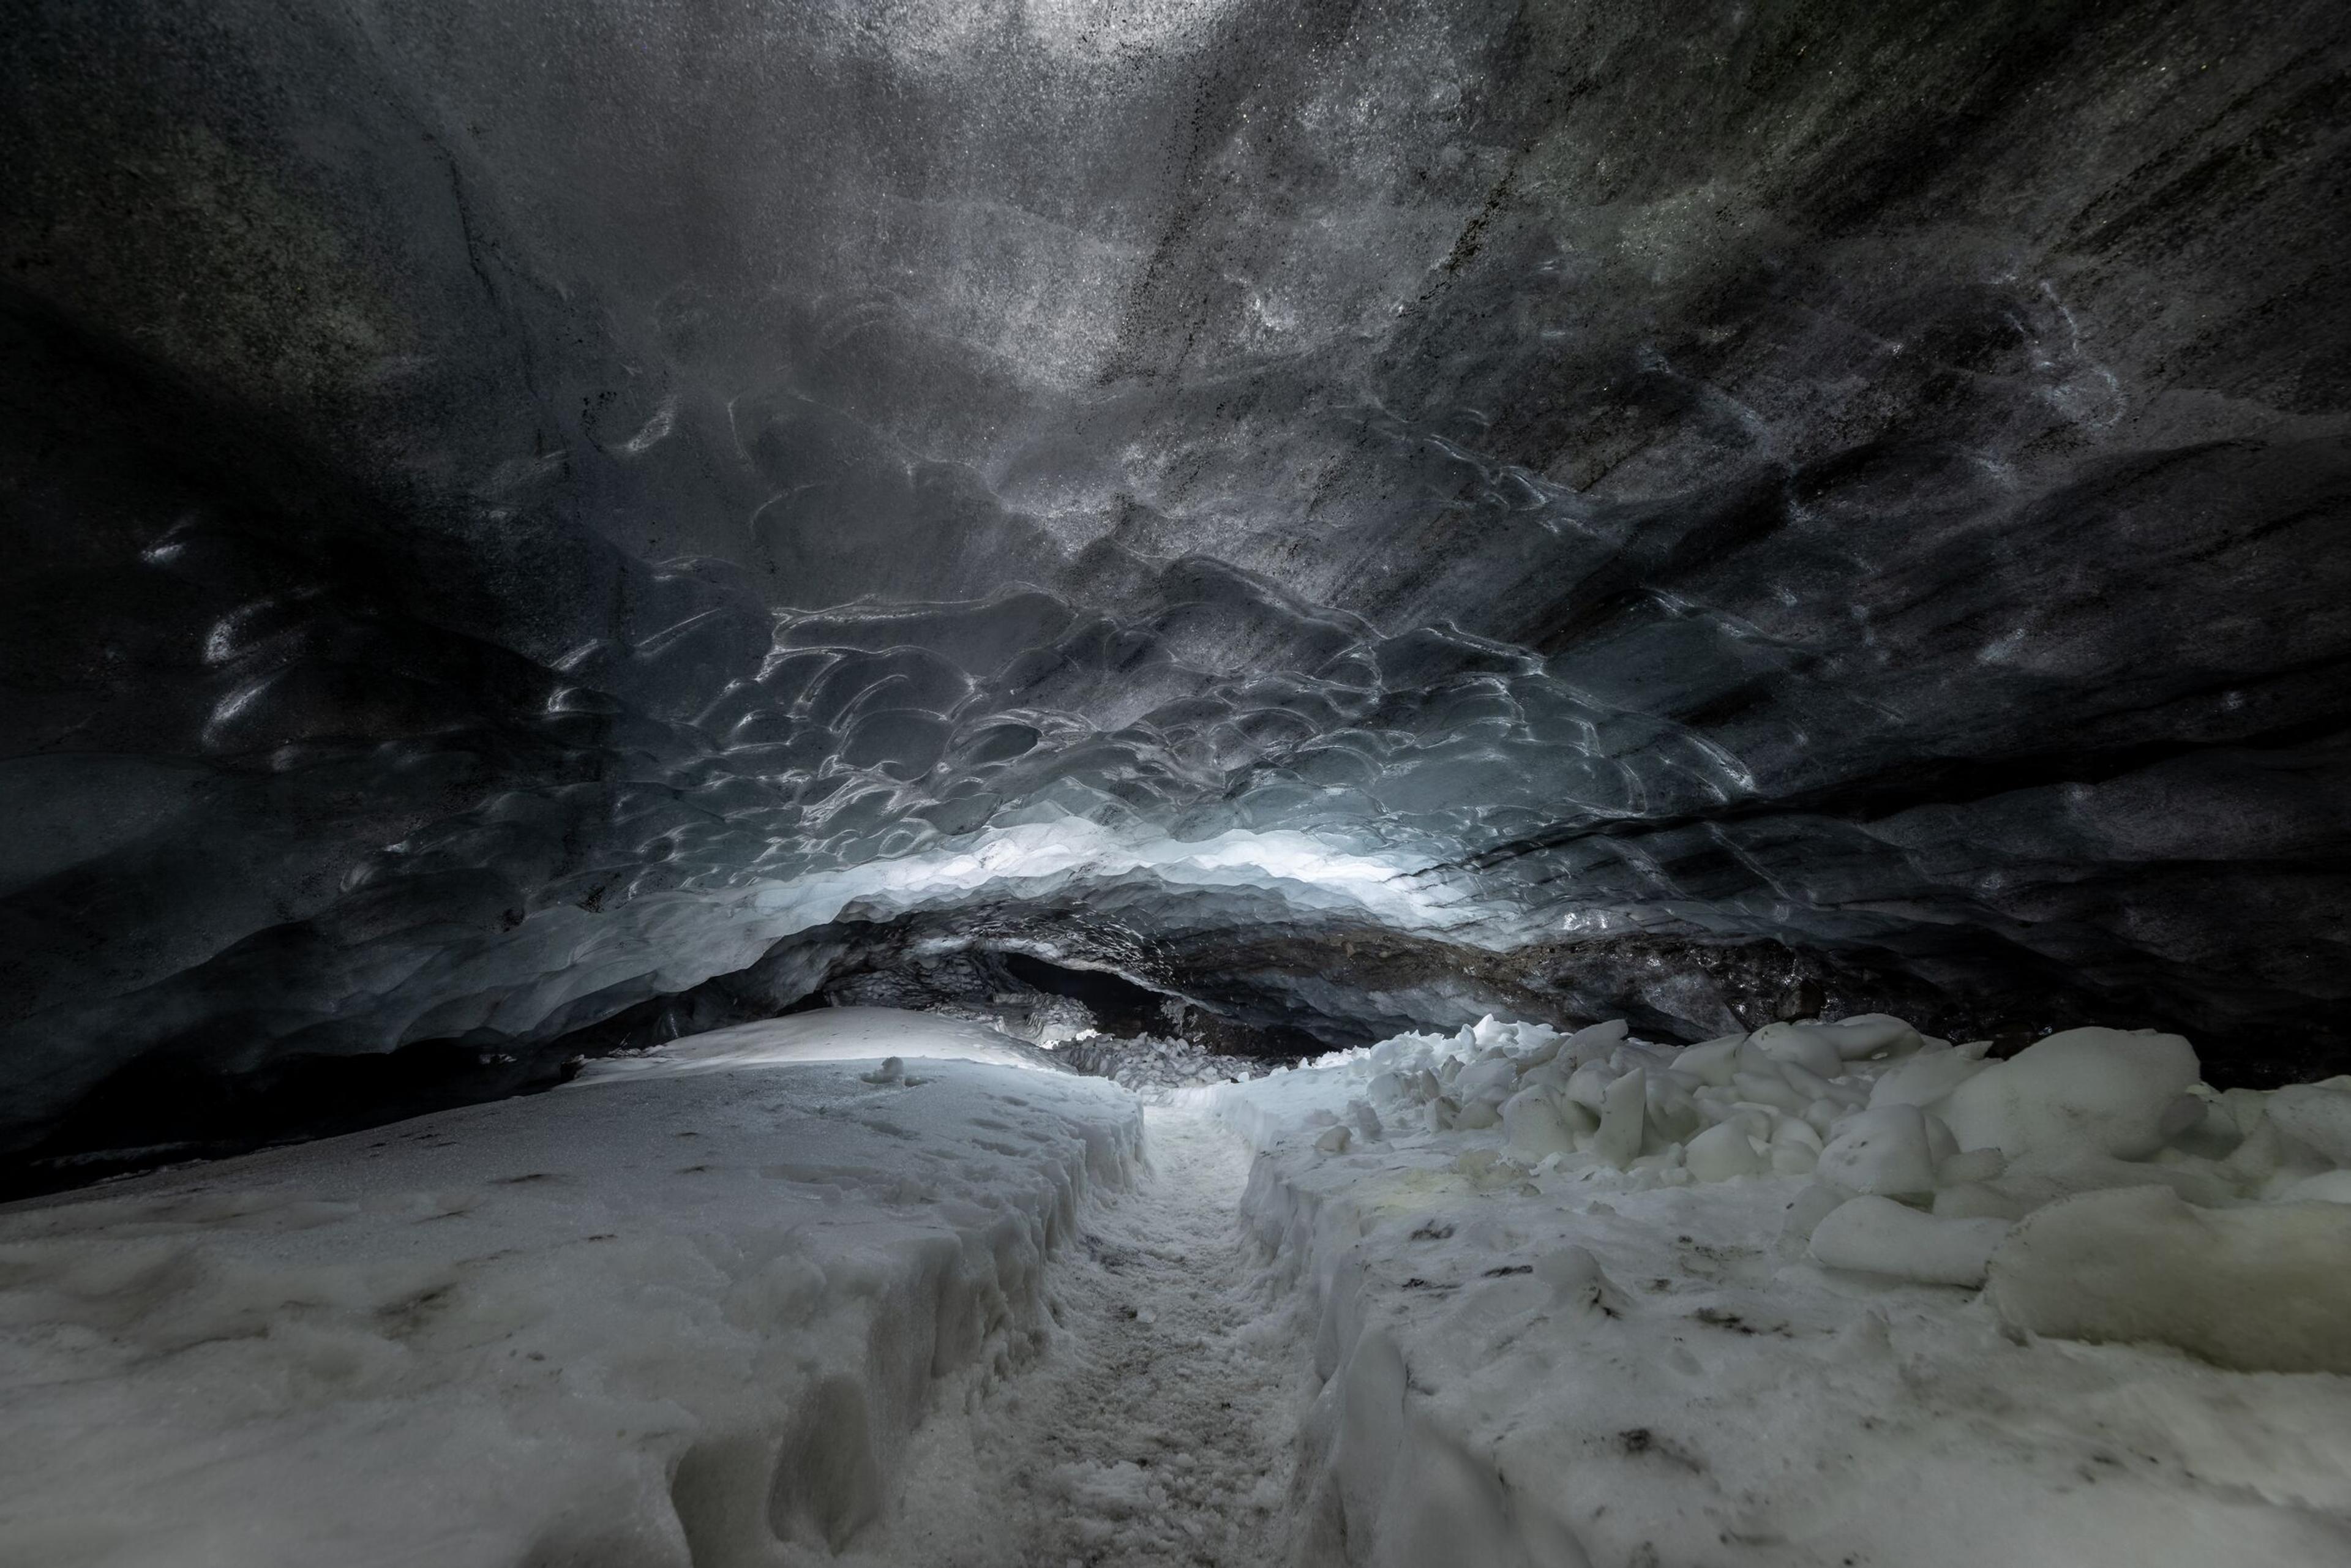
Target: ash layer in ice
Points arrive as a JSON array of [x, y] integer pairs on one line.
[[507, 521]]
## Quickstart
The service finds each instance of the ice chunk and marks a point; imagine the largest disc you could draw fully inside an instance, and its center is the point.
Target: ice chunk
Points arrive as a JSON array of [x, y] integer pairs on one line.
[[1532, 1126], [1795, 1146], [1724, 1150], [1713, 1061], [1588, 1086], [1805, 1212], [1623, 1118], [1825, 1048], [1487, 1080], [1537, 1044], [1924, 1078], [1866, 1036], [2261, 1289], [2316, 1115], [1595, 1042], [1808, 1048], [2262, 1155], [1974, 1166], [1973, 1201], [2096, 1089], [1878, 1235], [1673, 1116], [1810, 1085], [2215, 1134], [1770, 1088], [2328, 1187], [1796, 1130]]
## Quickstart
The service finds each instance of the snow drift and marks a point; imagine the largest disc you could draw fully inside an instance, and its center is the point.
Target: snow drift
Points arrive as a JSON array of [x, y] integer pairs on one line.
[[678, 1317]]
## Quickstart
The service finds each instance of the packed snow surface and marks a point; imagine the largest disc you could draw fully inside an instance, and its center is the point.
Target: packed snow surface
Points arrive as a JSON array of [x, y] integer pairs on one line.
[[670, 1318], [1158, 1430], [885, 1289]]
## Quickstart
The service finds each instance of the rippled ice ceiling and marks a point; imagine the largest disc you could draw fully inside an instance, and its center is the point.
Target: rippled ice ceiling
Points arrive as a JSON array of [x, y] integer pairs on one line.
[[515, 509]]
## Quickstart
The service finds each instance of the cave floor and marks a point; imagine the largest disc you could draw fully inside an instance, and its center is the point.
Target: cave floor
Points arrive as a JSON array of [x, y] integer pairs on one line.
[[1160, 1425], [767, 1299]]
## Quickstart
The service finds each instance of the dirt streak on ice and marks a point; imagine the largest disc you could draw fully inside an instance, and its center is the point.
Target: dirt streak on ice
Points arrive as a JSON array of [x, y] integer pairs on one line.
[[1158, 1427]]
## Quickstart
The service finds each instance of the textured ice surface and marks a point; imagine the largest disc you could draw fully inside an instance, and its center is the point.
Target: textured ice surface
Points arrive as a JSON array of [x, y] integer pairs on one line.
[[688, 1315], [506, 516], [1530, 1356]]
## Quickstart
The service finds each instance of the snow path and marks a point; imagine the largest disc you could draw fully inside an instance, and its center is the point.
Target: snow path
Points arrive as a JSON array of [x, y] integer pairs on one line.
[[1159, 1425]]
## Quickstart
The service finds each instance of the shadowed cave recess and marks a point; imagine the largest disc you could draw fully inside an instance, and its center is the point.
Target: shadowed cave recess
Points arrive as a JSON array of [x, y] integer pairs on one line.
[[535, 532]]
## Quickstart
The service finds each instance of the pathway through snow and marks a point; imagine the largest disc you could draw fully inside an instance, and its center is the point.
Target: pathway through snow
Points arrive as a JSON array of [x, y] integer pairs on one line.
[[1159, 1425]]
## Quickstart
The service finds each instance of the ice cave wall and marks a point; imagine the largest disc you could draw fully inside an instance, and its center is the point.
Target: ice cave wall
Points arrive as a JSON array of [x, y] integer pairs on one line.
[[514, 511]]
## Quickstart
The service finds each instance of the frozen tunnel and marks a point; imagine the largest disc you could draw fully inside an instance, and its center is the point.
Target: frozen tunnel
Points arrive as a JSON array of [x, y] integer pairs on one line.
[[1194, 593]]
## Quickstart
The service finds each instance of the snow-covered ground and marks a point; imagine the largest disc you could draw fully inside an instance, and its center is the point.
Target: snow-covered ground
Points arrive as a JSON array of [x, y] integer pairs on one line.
[[685, 1315], [1158, 1428], [1824, 1295], [826, 1034], [1563, 1319]]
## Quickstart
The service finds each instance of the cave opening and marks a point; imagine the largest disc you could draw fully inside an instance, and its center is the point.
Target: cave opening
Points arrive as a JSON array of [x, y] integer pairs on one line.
[[1118, 1004]]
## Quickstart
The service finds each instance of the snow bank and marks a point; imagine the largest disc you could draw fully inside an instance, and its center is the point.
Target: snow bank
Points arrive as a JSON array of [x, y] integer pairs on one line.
[[828, 1034], [1583, 1298], [685, 1314]]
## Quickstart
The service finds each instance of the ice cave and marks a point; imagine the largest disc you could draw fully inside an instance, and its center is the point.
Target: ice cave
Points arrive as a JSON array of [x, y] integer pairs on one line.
[[1175, 784]]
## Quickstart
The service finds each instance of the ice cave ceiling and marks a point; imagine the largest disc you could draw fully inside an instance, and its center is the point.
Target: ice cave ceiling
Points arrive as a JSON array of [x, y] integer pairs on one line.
[[1344, 512]]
